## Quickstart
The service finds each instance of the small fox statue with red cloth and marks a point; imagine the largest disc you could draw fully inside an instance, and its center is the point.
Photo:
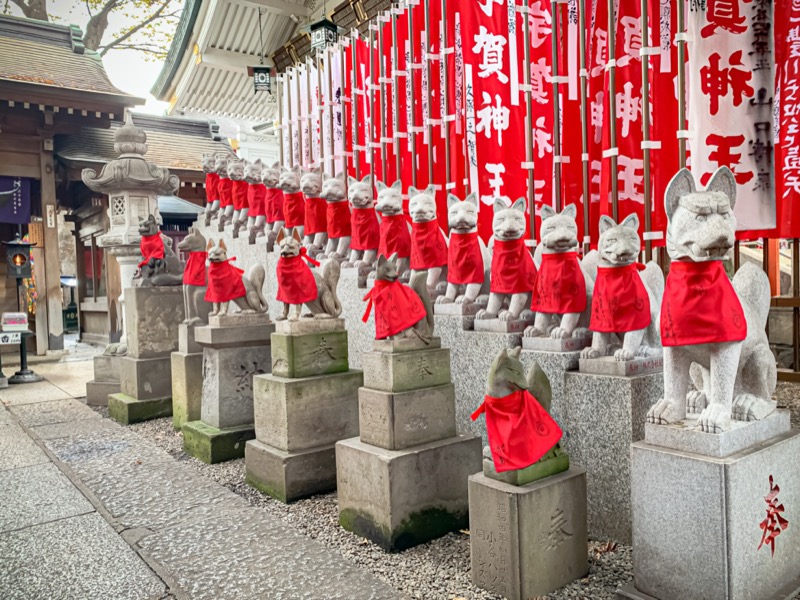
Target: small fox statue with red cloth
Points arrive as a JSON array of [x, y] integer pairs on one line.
[[395, 231], [221, 170], [626, 301], [520, 429], [428, 241], [338, 217], [708, 319], [298, 284], [227, 283], [271, 221], [194, 278], [159, 265], [365, 227], [563, 287], [316, 211]]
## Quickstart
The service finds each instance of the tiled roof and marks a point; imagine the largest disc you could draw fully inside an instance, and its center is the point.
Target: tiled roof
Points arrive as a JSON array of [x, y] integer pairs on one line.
[[51, 55], [174, 143]]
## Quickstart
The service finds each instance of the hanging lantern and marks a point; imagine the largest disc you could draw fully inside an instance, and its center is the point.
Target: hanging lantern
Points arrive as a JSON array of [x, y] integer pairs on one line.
[[323, 32], [18, 258]]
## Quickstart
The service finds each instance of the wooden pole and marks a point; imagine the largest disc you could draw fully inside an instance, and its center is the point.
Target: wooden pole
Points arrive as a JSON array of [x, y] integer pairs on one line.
[[611, 65], [555, 12], [529, 125], [410, 67], [427, 67], [445, 97], [396, 89], [648, 200], [587, 196]]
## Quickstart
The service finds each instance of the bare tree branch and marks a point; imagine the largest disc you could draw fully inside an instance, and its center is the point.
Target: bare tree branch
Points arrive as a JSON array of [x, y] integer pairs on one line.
[[155, 16]]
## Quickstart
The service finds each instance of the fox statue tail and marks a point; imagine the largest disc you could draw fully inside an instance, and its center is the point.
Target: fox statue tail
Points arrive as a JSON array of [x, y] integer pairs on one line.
[[255, 297], [419, 283], [331, 271]]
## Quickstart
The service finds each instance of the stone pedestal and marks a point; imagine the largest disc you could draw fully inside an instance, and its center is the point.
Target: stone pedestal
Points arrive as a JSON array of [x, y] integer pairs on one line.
[[603, 415], [498, 326], [235, 350], [548, 344], [153, 317], [608, 365], [404, 480], [106, 380], [302, 409], [187, 378], [716, 509], [526, 541], [453, 309]]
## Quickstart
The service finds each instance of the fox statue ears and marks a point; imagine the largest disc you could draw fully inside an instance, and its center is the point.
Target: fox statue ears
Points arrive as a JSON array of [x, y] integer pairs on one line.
[[501, 204], [682, 184], [453, 199], [570, 210], [211, 244], [380, 186], [284, 233], [631, 221], [412, 191]]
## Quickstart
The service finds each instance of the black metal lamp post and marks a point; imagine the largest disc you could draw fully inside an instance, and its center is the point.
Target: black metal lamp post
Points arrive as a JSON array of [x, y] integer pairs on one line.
[[18, 259]]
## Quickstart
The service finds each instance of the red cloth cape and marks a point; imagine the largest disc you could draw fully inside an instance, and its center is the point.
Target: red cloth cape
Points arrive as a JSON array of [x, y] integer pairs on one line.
[[296, 284], [464, 259], [274, 204], [195, 271], [224, 282], [151, 246], [700, 306], [513, 270], [338, 219], [256, 199], [428, 248], [520, 431], [366, 231], [316, 216], [240, 194], [212, 181], [397, 307], [619, 302], [394, 237], [225, 191], [560, 286], [294, 208]]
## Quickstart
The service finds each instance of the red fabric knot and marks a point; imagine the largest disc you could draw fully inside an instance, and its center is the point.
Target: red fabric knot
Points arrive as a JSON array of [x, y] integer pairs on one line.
[[428, 248], [397, 307], [464, 259], [195, 271], [296, 283], [700, 306], [620, 302], [224, 282], [316, 216], [338, 218], [151, 246], [560, 285], [294, 209], [513, 270], [394, 236], [520, 431], [366, 231]]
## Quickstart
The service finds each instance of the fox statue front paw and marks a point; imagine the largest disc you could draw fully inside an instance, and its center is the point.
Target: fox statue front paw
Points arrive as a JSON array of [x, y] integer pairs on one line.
[[665, 412], [716, 418], [590, 352]]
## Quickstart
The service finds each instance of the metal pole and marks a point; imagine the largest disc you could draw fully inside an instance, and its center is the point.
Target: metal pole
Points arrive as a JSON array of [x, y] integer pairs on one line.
[[299, 123], [412, 136], [681, 39], [529, 125], [280, 116], [371, 103], [289, 118], [612, 106], [396, 89], [428, 126], [319, 113], [309, 114], [648, 201], [354, 103], [382, 81], [445, 96], [587, 199], [331, 144], [342, 105], [556, 106]]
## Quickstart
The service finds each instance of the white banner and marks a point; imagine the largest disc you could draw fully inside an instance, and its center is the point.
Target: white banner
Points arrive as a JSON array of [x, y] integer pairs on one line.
[[730, 103], [305, 117], [337, 89], [297, 126]]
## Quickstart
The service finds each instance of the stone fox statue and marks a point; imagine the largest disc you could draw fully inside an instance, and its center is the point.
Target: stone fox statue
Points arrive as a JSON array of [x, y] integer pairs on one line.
[[627, 301], [226, 283], [400, 311], [194, 277], [299, 285], [160, 265], [708, 320]]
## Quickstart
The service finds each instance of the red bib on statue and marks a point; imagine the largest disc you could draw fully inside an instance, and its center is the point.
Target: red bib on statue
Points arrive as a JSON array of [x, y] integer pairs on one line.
[[316, 216], [619, 302], [338, 218], [224, 282], [513, 270], [296, 283], [240, 194], [151, 246], [464, 259], [520, 431], [195, 271], [700, 306], [294, 209], [212, 181], [225, 191], [256, 199], [274, 205], [397, 307], [428, 248], [366, 231], [394, 237], [560, 286]]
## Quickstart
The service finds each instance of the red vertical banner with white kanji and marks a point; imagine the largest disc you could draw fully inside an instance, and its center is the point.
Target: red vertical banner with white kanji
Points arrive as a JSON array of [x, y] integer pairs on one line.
[[421, 99], [361, 95], [597, 107], [494, 118], [389, 170], [787, 150], [455, 110], [347, 105], [731, 99]]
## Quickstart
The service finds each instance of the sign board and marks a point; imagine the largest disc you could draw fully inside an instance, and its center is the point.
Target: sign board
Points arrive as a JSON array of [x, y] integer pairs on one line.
[[262, 82], [10, 338]]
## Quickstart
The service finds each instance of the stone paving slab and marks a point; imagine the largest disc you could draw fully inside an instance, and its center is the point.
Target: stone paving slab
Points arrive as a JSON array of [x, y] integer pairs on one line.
[[70, 428], [77, 558], [57, 411], [38, 494], [247, 554], [18, 450], [29, 393]]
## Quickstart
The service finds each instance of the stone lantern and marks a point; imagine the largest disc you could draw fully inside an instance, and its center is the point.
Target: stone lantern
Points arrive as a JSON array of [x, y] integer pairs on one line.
[[133, 186]]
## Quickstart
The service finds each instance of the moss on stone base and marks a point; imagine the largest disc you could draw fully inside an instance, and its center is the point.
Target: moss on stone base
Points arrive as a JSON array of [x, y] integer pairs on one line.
[[212, 445], [265, 488], [417, 528], [128, 410]]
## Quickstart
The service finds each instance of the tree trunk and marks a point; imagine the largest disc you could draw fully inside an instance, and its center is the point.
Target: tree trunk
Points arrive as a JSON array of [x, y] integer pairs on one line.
[[97, 25], [33, 9]]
